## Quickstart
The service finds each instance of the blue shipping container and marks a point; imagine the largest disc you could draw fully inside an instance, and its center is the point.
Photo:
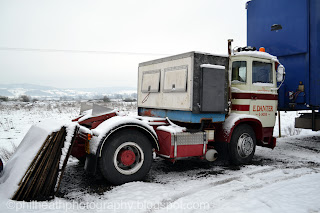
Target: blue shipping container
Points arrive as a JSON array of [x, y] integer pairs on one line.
[[290, 30]]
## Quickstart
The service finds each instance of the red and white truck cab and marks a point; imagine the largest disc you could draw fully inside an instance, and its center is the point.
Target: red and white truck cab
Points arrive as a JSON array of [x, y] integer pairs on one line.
[[187, 105], [254, 89]]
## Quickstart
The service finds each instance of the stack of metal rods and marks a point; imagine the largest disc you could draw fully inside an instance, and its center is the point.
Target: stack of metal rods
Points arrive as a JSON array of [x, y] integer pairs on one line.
[[40, 182]]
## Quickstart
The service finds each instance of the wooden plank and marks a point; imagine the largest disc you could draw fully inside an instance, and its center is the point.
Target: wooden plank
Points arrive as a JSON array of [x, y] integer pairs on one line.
[[43, 177], [66, 159]]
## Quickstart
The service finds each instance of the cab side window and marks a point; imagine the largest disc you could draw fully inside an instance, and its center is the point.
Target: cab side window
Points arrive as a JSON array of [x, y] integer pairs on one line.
[[261, 72], [239, 72]]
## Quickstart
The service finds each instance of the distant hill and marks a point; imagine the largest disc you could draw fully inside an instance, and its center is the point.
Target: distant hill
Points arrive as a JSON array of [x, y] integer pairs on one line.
[[38, 93], [4, 92], [26, 86], [47, 92]]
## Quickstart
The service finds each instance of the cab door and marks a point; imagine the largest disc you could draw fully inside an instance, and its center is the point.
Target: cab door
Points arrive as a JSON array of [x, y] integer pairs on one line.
[[263, 91], [240, 85]]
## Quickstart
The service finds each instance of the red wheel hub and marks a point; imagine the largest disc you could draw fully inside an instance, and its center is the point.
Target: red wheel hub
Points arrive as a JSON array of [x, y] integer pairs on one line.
[[127, 157]]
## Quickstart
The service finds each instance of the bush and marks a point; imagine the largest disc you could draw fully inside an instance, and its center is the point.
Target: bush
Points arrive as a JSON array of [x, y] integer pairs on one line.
[[4, 98], [129, 100], [25, 98], [106, 99]]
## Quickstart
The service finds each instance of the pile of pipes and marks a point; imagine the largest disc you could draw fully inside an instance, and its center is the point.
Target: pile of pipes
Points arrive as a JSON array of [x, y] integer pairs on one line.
[[42, 179]]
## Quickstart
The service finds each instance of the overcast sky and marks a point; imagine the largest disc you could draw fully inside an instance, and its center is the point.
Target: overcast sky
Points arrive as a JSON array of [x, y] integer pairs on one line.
[[91, 43]]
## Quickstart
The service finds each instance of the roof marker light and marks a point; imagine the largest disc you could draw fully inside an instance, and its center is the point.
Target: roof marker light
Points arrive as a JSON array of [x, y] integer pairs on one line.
[[262, 49]]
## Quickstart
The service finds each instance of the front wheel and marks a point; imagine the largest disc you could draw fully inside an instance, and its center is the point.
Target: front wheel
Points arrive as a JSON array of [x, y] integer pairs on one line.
[[126, 157], [242, 145]]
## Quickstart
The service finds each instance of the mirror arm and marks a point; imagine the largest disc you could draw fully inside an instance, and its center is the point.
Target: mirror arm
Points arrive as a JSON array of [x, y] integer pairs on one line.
[[284, 77]]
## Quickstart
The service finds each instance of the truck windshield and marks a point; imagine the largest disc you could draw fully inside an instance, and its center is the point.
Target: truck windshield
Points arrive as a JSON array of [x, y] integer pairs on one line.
[[239, 72], [261, 72]]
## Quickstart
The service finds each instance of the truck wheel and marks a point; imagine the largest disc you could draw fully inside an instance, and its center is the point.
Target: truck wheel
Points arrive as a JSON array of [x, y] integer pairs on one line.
[[126, 157], [242, 145]]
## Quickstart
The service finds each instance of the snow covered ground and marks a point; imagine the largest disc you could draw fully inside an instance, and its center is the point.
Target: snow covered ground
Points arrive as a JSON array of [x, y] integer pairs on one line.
[[286, 179], [16, 118]]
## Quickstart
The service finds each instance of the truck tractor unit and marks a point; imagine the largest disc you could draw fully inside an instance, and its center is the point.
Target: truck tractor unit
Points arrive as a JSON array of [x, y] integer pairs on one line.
[[199, 104], [188, 105]]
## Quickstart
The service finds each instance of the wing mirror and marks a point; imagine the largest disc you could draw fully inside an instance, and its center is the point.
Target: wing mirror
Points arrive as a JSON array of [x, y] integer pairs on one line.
[[280, 73]]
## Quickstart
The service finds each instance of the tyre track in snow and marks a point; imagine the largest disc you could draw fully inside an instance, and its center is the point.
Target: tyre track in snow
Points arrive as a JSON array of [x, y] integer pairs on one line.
[[166, 202], [306, 147], [216, 182], [284, 166], [230, 192], [237, 182]]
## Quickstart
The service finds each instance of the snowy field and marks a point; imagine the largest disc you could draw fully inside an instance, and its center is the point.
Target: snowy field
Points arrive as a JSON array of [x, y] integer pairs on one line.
[[286, 179]]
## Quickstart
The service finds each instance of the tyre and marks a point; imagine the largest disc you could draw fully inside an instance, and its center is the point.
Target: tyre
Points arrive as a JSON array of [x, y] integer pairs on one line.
[[82, 160], [242, 145], [126, 157]]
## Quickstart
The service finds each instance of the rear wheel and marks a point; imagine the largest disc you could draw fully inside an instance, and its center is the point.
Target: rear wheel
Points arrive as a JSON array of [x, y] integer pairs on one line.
[[242, 145], [126, 157]]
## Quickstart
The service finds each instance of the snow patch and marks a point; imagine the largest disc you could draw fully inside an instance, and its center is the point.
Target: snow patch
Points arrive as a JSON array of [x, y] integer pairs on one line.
[[233, 118], [257, 54], [237, 82], [259, 84], [94, 143], [288, 124], [205, 53], [213, 66], [89, 114], [70, 128], [172, 128], [237, 90], [279, 197]]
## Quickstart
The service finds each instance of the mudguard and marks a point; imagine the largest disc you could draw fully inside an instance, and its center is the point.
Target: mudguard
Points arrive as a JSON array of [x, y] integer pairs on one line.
[[111, 126], [225, 131]]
